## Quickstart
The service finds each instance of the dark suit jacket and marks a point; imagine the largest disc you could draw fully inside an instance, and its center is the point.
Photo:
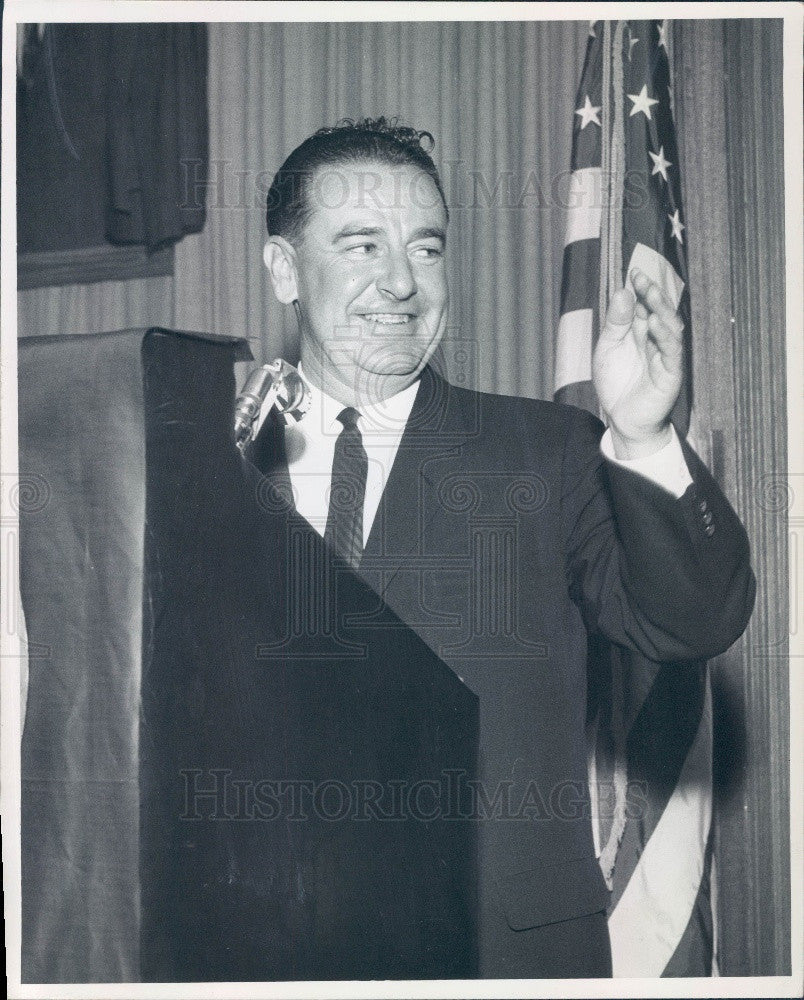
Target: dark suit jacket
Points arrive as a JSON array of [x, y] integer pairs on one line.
[[505, 539]]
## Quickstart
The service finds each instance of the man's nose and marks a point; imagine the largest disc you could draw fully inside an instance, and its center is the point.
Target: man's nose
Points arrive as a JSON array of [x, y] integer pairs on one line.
[[397, 278]]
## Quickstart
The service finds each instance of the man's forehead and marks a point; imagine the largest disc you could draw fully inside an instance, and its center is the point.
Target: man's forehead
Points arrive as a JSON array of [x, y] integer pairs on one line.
[[373, 189]]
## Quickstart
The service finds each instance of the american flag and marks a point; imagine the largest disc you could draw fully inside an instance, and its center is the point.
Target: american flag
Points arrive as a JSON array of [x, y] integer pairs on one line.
[[650, 731]]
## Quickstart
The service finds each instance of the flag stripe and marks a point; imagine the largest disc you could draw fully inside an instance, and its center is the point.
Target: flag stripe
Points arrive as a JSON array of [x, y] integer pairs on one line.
[[693, 956], [574, 348], [667, 879], [585, 201], [657, 749], [581, 260], [665, 729]]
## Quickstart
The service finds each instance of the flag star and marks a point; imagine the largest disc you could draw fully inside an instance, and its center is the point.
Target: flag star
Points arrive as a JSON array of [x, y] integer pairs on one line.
[[662, 28], [642, 103], [588, 114], [677, 225], [660, 164]]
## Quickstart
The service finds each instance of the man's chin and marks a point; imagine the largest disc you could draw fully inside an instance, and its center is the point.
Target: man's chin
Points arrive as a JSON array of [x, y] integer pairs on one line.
[[410, 366], [384, 377], [395, 361]]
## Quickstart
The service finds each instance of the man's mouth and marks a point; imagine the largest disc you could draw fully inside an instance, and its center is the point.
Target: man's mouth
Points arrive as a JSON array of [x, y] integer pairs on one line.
[[388, 319]]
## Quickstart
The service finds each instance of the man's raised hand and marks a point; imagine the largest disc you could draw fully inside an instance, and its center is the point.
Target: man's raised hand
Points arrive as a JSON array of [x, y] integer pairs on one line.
[[638, 366]]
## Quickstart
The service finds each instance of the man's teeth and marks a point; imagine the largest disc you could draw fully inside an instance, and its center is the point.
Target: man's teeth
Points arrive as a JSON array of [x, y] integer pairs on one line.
[[387, 318]]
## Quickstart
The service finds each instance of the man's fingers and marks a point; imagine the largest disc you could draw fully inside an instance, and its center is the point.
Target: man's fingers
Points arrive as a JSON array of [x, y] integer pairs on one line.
[[639, 329], [620, 314], [667, 338], [651, 295]]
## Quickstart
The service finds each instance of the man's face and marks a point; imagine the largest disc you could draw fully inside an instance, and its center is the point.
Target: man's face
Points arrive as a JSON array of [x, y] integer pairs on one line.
[[370, 278]]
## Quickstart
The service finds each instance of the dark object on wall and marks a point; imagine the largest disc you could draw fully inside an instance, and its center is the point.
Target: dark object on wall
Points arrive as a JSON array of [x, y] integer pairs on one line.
[[125, 876], [112, 149]]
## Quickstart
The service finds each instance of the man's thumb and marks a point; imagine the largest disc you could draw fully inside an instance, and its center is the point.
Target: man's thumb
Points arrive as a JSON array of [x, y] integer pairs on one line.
[[621, 312]]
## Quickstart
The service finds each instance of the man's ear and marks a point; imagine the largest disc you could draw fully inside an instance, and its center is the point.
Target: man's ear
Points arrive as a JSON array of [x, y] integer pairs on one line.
[[280, 259]]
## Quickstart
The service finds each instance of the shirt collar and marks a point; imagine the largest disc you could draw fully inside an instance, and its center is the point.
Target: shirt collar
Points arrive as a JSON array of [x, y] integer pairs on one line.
[[323, 411], [386, 418]]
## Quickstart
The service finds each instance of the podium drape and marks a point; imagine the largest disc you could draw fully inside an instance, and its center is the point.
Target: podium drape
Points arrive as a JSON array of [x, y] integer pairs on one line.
[[82, 443], [199, 656]]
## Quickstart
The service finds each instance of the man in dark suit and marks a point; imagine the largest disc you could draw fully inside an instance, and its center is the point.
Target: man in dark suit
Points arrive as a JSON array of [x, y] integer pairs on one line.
[[504, 531]]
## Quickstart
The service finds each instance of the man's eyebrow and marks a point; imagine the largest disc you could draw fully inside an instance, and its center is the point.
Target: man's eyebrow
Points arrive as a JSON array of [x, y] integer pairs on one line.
[[425, 232], [357, 231], [429, 232]]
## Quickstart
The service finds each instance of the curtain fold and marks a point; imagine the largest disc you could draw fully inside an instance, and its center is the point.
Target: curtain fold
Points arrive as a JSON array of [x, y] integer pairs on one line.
[[754, 819], [82, 456], [96, 308], [729, 103]]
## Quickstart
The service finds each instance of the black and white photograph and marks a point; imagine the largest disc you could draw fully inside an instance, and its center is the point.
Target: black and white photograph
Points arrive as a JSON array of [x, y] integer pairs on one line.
[[402, 499]]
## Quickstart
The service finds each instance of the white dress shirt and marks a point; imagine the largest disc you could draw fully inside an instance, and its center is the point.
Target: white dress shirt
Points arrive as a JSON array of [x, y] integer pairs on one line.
[[310, 448]]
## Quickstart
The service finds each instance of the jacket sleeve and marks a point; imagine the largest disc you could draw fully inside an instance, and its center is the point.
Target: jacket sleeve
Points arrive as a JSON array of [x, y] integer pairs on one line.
[[668, 577]]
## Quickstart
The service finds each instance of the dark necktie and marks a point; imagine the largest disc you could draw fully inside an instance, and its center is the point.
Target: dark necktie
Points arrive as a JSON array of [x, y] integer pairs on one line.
[[344, 531]]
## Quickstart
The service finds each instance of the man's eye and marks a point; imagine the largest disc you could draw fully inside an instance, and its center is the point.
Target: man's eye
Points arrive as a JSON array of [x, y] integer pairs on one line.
[[428, 253], [362, 249]]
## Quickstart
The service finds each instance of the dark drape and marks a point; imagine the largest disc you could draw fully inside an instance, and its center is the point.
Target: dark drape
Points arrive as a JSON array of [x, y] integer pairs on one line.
[[157, 133], [110, 120]]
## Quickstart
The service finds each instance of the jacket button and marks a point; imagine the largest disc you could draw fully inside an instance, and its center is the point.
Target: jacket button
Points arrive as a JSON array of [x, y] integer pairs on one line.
[[707, 518], [703, 506], [710, 530]]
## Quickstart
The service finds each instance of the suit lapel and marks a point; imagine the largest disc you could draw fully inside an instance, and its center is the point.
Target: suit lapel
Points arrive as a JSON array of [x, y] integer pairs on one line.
[[435, 430]]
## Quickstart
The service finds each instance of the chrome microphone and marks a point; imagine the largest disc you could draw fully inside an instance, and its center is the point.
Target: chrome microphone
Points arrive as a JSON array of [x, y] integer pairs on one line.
[[277, 382]]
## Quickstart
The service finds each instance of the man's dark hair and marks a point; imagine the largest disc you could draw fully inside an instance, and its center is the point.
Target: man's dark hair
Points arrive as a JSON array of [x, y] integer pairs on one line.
[[371, 139]]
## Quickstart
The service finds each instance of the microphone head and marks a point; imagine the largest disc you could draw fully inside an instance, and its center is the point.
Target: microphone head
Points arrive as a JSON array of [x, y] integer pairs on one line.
[[277, 381]]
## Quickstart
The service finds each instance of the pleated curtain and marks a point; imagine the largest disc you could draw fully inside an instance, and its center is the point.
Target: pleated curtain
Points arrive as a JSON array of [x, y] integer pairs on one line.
[[729, 101]]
